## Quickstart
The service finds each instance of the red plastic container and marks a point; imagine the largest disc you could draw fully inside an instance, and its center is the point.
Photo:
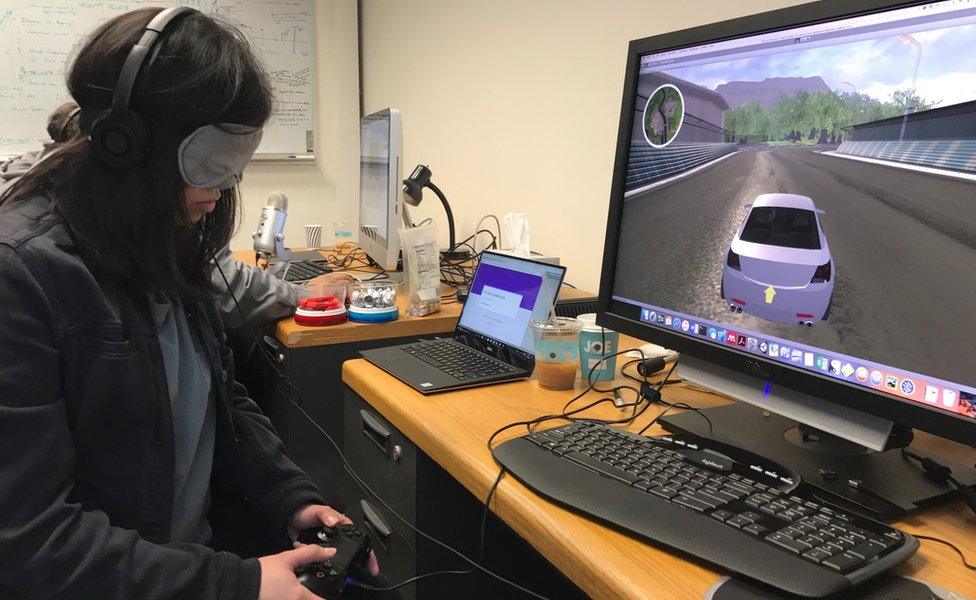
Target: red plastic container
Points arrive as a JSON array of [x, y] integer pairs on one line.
[[320, 310]]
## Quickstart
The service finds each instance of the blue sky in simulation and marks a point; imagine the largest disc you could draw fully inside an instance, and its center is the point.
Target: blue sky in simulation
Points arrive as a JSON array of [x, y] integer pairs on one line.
[[946, 74]]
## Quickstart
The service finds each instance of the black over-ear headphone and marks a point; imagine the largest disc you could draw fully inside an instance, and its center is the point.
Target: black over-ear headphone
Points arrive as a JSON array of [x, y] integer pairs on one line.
[[118, 137]]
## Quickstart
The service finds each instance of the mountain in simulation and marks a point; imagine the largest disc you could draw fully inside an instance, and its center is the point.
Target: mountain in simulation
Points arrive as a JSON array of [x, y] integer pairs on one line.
[[768, 91]]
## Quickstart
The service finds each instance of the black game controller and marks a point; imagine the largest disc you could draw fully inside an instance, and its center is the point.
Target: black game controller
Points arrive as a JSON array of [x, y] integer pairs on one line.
[[329, 578]]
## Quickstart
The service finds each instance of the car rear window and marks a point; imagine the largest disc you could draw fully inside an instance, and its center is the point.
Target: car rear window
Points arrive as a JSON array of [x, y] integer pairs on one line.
[[787, 227]]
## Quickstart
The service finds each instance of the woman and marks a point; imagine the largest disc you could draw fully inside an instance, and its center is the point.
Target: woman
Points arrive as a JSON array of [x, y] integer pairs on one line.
[[131, 464]]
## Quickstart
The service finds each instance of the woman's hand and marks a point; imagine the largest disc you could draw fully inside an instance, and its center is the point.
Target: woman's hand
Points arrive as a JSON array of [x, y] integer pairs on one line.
[[316, 515], [278, 581]]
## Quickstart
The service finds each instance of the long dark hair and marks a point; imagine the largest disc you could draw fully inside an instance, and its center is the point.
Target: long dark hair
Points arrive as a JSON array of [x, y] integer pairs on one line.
[[133, 223]]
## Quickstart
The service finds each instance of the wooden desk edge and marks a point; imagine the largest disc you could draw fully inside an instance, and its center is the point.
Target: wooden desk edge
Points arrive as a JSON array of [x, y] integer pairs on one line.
[[528, 514]]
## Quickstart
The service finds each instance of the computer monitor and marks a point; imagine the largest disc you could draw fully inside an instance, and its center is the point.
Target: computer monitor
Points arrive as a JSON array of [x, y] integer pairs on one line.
[[792, 209], [381, 208]]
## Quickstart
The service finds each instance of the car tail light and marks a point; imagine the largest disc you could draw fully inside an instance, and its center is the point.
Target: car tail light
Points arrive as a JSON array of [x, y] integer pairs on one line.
[[822, 274], [733, 261]]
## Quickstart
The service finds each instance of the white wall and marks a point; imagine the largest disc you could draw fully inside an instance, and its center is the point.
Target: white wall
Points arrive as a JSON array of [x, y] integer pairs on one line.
[[328, 189], [514, 104]]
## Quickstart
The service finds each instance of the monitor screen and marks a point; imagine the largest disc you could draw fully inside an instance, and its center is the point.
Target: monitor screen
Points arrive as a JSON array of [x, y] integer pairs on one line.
[[507, 293], [374, 178], [809, 195]]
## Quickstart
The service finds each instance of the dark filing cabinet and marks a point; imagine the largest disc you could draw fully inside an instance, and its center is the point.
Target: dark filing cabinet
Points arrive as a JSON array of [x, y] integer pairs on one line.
[[425, 495]]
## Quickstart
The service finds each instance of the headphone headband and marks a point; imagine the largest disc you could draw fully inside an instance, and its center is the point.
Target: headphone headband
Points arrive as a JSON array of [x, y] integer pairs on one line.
[[118, 137], [139, 52]]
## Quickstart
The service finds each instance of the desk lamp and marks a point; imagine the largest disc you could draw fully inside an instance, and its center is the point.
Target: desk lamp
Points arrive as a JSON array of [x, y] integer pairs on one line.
[[413, 193]]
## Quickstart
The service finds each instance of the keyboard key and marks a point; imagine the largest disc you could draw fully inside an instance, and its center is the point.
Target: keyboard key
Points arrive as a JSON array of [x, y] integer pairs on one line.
[[720, 515], [738, 522], [754, 529], [805, 527], [832, 548], [692, 503], [665, 491], [842, 563], [601, 467], [753, 501], [885, 541], [643, 485], [783, 541], [708, 499], [867, 549], [816, 555]]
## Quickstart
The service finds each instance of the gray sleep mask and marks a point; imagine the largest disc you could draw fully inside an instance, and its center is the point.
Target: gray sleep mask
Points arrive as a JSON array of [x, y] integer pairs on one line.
[[215, 155]]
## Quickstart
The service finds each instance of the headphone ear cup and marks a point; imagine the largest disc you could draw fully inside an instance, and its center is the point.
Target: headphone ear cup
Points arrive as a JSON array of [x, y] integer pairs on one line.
[[120, 142]]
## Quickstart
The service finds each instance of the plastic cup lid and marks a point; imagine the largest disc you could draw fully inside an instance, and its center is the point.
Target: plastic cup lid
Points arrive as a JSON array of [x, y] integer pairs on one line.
[[557, 326], [588, 321]]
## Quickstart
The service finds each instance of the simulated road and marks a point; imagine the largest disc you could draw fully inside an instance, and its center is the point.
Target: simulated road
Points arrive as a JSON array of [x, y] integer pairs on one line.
[[903, 245]]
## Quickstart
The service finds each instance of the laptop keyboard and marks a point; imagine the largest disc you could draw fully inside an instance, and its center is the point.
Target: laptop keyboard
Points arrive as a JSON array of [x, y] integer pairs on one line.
[[459, 361]]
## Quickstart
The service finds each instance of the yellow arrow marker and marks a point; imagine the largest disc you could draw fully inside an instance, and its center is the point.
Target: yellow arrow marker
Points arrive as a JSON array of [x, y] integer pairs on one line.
[[770, 294]]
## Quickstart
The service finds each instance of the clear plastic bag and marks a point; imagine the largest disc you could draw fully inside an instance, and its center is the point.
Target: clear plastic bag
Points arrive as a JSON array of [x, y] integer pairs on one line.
[[422, 265]]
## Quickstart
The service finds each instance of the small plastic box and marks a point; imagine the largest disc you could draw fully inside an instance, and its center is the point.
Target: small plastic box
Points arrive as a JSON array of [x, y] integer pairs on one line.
[[373, 302], [326, 307]]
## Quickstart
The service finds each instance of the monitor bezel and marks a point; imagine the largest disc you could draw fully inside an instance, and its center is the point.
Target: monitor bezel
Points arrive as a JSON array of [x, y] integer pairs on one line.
[[386, 252], [904, 412]]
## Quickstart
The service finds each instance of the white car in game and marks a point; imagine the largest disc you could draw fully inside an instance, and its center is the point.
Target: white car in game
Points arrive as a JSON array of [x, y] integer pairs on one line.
[[779, 266]]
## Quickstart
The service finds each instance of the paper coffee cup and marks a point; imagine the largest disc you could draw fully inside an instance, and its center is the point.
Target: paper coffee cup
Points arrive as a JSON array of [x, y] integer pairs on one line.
[[596, 344], [313, 236]]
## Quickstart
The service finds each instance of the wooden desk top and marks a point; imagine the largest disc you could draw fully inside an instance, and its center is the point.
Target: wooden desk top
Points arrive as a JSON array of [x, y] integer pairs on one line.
[[453, 429], [293, 335]]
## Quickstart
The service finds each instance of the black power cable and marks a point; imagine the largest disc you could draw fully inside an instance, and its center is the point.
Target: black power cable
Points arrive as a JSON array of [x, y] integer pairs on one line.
[[468, 571], [962, 556], [942, 474]]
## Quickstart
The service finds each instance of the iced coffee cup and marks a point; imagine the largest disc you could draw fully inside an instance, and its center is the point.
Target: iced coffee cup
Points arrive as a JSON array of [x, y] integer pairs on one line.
[[556, 352]]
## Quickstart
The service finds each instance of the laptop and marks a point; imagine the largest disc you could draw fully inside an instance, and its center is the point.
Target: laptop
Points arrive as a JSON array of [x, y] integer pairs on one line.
[[492, 342]]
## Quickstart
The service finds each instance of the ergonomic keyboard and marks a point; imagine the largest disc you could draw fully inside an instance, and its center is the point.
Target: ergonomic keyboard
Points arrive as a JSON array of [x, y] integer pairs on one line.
[[303, 270], [458, 360], [722, 504]]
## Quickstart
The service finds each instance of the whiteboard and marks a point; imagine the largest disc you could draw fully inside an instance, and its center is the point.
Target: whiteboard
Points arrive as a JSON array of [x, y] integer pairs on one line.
[[38, 39]]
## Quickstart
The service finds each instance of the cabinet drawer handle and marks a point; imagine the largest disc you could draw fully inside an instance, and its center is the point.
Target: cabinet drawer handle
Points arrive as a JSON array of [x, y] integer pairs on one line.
[[276, 348], [376, 432], [374, 520]]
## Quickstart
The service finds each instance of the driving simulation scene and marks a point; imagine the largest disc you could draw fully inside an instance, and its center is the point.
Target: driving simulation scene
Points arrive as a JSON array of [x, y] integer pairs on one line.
[[820, 189]]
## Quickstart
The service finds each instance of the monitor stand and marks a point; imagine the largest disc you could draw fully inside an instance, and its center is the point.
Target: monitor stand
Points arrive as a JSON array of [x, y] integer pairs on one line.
[[895, 485]]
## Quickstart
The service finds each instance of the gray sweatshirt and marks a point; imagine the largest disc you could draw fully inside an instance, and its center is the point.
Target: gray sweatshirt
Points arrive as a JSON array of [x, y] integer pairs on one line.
[[262, 296], [16, 166]]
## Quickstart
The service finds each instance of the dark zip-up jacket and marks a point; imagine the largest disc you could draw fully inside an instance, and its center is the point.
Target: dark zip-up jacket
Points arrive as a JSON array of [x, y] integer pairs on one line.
[[86, 436]]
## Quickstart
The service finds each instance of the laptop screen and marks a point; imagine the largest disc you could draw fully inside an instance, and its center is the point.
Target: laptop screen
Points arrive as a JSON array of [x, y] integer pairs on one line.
[[507, 292]]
